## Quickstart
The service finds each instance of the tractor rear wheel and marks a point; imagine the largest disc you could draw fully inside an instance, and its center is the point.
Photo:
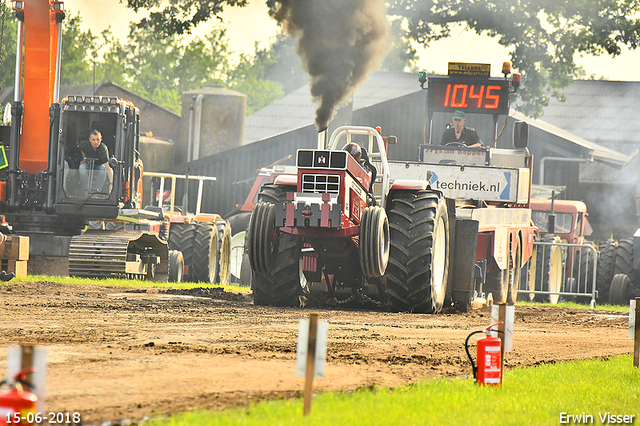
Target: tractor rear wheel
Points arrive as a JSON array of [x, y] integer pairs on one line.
[[181, 238], [417, 273], [176, 266], [223, 270], [205, 253], [374, 242]]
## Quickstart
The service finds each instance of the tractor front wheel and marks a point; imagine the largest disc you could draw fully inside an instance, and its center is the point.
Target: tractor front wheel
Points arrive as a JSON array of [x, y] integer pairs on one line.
[[374, 242]]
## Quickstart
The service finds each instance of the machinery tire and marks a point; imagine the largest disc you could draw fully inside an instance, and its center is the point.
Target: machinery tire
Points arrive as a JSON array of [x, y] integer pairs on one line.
[[619, 292], [514, 274], [548, 270], [374, 242], [176, 266], [604, 275], [239, 222], [285, 284], [271, 193], [417, 273], [497, 283], [623, 262], [261, 239], [223, 268], [583, 270], [528, 276], [205, 253], [181, 238]]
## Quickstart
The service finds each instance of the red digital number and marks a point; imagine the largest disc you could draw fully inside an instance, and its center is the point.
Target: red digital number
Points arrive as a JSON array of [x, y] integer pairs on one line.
[[495, 98], [463, 96], [477, 96]]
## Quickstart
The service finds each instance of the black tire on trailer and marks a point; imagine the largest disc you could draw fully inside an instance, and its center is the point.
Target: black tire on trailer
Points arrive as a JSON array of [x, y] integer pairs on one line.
[[223, 268], [528, 275], [604, 275], [205, 253], [176, 266], [374, 242], [417, 273], [548, 269], [620, 288], [497, 283], [181, 238]]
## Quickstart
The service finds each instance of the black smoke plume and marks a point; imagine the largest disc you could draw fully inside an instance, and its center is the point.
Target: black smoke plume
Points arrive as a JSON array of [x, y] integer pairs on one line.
[[340, 41]]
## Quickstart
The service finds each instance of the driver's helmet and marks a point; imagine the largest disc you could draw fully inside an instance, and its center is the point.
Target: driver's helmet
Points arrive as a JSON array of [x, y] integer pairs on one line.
[[353, 149]]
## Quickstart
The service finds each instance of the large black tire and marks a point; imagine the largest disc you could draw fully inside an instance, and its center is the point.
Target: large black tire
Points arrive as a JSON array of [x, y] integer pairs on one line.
[[261, 240], [514, 274], [239, 222], [176, 266], [205, 253], [282, 283], [623, 263], [374, 242], [604, 275], [583, 271], [620, 290], [181, 238], [223, 268], [548, 270], [285, 285], [497, 283], [417, 274]]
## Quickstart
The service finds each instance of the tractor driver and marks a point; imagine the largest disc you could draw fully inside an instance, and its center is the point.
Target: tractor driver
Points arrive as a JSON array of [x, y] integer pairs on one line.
[[95, 154], [461, 134], [361, 156]]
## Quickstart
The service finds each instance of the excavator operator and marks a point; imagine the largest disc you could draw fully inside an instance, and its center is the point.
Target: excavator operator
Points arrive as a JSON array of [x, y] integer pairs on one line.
[[95, 158]]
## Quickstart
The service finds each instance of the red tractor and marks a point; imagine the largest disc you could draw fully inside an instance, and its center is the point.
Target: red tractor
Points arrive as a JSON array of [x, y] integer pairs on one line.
[[331, 223]]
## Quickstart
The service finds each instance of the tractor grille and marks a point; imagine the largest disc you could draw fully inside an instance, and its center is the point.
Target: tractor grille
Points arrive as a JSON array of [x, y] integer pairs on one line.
[[319, 184]]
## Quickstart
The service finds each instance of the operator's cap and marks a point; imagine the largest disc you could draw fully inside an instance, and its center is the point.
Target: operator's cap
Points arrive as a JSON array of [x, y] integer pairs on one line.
[[458, 114]]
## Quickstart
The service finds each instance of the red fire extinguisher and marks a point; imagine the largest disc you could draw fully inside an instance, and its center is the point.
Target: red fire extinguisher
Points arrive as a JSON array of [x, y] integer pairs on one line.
[[489, 357], [17, 406]]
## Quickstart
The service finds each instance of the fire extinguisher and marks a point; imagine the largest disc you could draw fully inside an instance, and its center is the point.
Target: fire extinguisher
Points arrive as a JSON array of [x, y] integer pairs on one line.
[[17, 406], [489, 357]]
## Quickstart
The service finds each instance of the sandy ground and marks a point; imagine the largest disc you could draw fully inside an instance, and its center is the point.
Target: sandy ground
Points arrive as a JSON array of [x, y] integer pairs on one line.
[[117, 353]]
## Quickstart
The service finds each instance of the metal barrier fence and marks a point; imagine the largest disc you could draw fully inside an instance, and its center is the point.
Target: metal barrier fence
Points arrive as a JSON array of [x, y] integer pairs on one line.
[[560, 269]]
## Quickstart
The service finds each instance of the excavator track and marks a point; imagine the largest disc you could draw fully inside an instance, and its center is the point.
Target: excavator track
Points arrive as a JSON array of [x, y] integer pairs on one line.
[[118, 254]]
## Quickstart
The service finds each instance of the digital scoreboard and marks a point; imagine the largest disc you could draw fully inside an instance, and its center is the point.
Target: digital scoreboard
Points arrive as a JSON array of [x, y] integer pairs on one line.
[[471, 95]]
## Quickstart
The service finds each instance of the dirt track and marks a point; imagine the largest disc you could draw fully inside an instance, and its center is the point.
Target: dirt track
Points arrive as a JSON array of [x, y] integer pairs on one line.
[[118, 353]]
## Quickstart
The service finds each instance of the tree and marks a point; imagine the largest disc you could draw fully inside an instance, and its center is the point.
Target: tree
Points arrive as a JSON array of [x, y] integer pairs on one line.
[[180, 16], [543, 35]]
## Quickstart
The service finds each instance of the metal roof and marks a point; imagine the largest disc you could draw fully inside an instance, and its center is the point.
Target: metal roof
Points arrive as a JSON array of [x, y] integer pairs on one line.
[[598, 110], [297, 109]]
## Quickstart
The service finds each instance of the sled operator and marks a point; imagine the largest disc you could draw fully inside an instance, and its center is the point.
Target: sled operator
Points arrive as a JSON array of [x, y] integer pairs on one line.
[[459, 133], [96, 154]]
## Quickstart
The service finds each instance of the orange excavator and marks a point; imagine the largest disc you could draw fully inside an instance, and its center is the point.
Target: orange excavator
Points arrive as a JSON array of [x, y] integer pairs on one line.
[[45, 193]]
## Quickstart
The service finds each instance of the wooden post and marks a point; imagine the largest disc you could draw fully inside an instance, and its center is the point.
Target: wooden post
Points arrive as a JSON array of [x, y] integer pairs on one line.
[[636, 338], [26, 363], [311, 357]]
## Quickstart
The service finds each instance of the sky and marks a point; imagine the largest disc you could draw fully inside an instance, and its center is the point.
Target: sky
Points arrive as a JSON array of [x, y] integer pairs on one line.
[[247, 25]]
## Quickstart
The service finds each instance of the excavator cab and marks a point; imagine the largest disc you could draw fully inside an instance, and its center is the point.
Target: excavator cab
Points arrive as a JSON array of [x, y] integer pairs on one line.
[[90, 191]]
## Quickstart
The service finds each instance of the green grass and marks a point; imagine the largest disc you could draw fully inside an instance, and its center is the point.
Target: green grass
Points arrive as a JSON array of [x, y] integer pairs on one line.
[[573, 305], [116, 282], [529, 396]]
